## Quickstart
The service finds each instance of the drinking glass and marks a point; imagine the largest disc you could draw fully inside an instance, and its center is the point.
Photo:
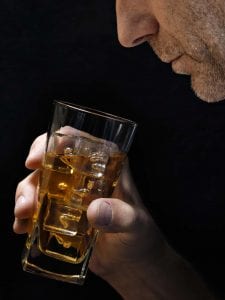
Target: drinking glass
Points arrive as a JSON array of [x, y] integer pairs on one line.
[[84, 155]]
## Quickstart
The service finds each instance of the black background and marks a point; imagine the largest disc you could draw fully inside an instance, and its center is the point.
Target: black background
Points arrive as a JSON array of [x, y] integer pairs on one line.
[[69, 50]]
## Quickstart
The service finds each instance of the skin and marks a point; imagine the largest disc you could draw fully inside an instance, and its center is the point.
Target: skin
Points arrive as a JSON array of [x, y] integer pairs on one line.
[[190, 30], [131, 253]]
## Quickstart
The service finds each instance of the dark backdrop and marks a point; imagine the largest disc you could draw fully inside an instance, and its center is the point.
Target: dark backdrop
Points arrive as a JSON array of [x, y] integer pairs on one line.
[[69, 50]]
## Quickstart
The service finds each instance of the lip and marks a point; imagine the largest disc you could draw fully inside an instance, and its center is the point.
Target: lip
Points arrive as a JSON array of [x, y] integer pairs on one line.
[[182, 65], [175, 59], [170, 60]]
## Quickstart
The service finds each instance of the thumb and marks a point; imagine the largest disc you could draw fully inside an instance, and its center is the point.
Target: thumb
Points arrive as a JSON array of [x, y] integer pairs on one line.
[[112, 215]]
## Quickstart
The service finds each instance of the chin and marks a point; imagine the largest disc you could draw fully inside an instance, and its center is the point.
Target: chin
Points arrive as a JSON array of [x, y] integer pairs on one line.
[[209, 97], [209, 91]]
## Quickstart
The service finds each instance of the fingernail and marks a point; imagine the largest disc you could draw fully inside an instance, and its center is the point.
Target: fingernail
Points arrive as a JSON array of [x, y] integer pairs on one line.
[[105, 214], [20, 202]]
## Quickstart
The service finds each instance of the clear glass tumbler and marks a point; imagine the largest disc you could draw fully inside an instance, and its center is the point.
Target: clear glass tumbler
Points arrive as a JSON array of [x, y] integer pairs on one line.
[[85, 152]]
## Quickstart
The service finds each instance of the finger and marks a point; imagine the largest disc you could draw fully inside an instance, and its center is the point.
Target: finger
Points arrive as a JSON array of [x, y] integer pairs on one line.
[[126, 188], [25, 202], [21, 226], [36, 153], [113, 215]]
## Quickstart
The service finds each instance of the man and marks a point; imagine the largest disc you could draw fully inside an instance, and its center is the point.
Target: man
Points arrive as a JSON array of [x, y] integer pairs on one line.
[[131, 253]]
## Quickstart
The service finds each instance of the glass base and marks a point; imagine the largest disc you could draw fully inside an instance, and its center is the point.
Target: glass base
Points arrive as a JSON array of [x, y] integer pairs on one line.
[[36, 262]]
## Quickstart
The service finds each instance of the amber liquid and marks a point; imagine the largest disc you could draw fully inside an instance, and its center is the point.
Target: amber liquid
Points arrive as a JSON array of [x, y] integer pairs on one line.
[[68, 183]]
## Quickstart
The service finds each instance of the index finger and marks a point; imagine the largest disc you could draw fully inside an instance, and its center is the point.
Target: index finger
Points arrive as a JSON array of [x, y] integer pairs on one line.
[[36, 153]]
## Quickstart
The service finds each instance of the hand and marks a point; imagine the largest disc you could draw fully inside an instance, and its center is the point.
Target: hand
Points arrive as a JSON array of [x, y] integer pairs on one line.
[[130, 253], [127, 232]]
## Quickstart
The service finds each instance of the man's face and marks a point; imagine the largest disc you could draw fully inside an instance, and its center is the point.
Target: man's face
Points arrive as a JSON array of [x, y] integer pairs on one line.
[[189, 34]]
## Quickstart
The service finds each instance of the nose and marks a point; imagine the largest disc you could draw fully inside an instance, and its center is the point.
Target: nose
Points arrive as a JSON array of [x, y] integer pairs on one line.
[[135, 22]]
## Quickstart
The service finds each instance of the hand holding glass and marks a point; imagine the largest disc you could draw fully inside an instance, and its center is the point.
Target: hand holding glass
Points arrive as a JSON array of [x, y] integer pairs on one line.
[[85, 152]]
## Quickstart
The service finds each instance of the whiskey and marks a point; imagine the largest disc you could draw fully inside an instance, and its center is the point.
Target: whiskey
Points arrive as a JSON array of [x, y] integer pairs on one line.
[[68, 184]]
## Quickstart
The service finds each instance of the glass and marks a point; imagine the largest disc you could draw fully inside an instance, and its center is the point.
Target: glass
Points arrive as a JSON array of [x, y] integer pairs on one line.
[[85, 152]]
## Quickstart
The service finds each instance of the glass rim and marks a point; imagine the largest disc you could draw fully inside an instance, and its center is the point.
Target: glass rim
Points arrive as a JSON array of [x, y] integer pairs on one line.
[[95, 112]]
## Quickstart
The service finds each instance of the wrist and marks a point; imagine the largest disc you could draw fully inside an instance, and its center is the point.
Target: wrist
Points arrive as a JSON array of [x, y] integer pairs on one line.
[[166, 277], [136, 279]]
